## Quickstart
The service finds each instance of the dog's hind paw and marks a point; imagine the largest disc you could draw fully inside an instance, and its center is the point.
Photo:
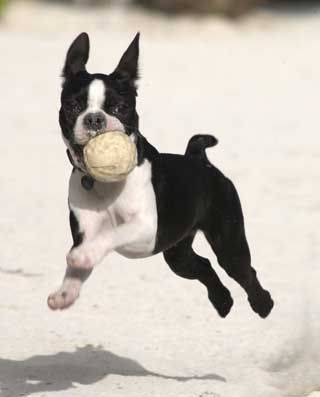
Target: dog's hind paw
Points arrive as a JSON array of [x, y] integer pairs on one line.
[[221, 301], [262, 303]]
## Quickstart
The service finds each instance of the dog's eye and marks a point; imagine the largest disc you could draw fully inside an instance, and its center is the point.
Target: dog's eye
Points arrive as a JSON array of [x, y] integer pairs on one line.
[[120, 108], [72, 106]]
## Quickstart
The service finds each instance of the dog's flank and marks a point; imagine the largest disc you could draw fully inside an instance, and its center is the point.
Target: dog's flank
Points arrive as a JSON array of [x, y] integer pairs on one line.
[[163, 202]]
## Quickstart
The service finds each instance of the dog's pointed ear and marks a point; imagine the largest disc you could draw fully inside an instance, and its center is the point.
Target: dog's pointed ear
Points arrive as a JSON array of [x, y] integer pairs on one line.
[[127, 68], [77, 56]]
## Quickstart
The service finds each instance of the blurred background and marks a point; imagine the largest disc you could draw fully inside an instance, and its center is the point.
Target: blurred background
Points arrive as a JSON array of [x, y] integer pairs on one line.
[[246, 71], [225, 7]]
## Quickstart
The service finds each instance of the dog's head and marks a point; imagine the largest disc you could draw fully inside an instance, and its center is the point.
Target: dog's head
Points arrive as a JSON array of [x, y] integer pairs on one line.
[[92, 104]]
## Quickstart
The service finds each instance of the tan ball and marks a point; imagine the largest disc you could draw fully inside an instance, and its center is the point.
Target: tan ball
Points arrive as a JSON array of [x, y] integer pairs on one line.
[[110, 157]]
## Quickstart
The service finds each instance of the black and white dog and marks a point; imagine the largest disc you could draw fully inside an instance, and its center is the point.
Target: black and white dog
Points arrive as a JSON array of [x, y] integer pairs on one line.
[[160, 206]]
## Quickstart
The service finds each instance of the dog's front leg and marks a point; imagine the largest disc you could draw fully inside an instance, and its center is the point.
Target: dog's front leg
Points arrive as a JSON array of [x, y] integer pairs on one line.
[[136, 232], [84, 225]]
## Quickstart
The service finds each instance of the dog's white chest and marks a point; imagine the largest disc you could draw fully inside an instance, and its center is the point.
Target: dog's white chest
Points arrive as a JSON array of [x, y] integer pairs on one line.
[[118, 204], [138, 201]]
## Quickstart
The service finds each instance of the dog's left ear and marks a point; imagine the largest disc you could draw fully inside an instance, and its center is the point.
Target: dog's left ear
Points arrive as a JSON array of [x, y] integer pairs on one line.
[[77, 56], [127, 68]]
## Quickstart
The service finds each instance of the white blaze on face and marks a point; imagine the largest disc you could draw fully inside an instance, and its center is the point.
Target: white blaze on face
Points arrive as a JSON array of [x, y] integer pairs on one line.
[[96, 99], [96, 95]]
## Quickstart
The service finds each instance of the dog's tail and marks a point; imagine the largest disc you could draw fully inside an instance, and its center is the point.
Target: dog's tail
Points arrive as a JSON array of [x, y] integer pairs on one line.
[[197, 146]]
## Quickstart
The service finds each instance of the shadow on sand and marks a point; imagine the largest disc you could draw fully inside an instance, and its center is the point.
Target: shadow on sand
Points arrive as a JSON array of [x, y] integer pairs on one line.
[[87, 365]]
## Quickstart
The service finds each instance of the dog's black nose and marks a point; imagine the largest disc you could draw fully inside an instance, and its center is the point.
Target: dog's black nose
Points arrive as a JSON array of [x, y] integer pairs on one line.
[[95, 121]]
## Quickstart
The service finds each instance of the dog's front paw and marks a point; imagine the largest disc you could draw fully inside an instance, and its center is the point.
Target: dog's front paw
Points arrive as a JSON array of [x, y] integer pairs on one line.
[[65, 296]]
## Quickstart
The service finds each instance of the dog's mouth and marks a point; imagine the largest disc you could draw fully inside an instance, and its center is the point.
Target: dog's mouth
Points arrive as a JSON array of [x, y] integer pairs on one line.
[[76, 149], [87, 136], [75, 156], [93, 133]]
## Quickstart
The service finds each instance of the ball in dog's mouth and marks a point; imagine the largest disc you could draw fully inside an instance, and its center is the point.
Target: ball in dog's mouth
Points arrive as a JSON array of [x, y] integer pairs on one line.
[[110, 157]]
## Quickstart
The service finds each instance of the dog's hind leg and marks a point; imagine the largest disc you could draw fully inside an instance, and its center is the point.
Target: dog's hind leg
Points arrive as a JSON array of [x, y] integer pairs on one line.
[[187, 264], [224, 230]]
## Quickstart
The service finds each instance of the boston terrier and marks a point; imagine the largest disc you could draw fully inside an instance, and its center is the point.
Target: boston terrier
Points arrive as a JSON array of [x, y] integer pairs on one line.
[[162, 203]]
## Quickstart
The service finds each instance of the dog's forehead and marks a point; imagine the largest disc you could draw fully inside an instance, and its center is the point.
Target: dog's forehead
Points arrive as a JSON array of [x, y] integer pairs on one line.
[[92, 88], [96, 93], [101, 85], [99, 90], [81, 83]]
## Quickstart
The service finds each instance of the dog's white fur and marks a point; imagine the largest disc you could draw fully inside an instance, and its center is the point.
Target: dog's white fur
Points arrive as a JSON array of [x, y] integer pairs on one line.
[[97, 94]]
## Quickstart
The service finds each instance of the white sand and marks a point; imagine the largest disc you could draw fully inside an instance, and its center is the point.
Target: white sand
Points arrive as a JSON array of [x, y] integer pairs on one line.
[[138, 330]]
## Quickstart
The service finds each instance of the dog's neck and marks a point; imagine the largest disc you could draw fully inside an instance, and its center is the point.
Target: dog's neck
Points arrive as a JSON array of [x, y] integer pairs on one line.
[[144, 149]]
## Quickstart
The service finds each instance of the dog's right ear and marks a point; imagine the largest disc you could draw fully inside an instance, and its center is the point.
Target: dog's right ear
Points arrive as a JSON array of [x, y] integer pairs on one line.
[[77, 56], [127, 68]]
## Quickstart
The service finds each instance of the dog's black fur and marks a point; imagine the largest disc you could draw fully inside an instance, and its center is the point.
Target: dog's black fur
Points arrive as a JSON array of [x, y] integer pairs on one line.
[[191, 194]]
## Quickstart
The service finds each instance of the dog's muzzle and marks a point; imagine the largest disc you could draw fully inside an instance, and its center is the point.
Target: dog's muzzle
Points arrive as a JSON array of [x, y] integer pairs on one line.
[[95, 123]]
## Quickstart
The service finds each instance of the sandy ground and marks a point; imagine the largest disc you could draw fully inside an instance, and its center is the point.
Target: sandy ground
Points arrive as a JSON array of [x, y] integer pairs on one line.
[[139, 330]]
